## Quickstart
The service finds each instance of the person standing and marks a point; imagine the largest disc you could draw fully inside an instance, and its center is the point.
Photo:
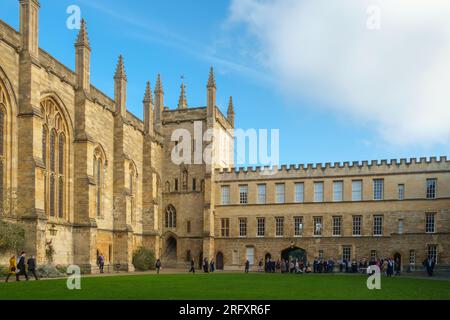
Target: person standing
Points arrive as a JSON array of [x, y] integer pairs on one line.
[[12, 267], [247, 266], [32, 266], [430, 264], [390, 268], [212, 267], [21, 269], [192, 266], [158, 266], [101, 262], [260, 265]]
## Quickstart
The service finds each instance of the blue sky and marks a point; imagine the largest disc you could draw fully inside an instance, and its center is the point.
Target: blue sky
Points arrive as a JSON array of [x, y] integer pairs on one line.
[[298, 77]]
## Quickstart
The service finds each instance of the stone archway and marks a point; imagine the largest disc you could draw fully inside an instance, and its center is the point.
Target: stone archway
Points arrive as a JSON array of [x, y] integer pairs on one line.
[[294, 253], [219, 261], [170, 250]]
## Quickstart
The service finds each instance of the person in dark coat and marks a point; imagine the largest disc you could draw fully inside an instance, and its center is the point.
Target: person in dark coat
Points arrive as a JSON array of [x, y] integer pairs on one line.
[[158, 266], [247, 266], [21, 269], [205, 265], [212, 266], [429, 264], [32, 267], [192, 266], [390, 268]]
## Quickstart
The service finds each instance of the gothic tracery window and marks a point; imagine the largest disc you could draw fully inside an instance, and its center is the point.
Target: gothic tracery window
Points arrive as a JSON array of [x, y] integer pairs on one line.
[[171, 217], [2, 154], [54, 158], [99, 165]]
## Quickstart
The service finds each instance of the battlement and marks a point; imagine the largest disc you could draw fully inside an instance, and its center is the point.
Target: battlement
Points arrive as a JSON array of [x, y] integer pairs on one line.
[[373, 167]]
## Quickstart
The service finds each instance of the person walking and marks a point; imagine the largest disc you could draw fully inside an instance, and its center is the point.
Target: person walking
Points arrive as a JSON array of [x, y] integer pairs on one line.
[[12, 267], [21, 269], [32, 266], [101, 262], [247, 266], [212, 266], [192, 269], [158, 266]]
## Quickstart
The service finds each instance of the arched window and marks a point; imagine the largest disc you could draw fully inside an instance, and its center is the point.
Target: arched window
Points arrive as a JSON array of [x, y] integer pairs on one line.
[[52, 172], [99, 166], [61, 176], [2, 154], [54, 158], [5, 142], [171, 217], [167, 186]]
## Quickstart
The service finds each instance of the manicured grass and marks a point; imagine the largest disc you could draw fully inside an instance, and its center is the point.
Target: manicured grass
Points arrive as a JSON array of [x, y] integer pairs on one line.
[[228, 287]]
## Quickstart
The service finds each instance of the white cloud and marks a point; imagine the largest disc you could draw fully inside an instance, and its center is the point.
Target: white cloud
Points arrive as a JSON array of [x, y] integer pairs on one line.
[[396, 79]]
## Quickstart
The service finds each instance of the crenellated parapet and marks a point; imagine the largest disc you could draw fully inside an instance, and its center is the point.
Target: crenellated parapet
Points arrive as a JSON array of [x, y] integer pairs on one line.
[[320, 170]]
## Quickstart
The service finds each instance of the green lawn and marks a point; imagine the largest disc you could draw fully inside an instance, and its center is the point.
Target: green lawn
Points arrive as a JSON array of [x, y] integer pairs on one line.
[[227, 287]]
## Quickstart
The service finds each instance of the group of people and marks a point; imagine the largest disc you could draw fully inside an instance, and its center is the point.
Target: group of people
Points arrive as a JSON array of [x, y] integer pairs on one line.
[[389, 266], [18, 267], [206, 266]]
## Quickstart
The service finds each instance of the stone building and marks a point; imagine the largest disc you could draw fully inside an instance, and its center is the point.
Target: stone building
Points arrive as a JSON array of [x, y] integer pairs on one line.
[[84, 176]]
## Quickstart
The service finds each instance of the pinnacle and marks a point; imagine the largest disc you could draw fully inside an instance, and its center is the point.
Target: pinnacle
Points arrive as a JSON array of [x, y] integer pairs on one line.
[[83, 38], [120, 69], [182, 102], [211, 80], [148, 93], [231, 106], [159, 86]]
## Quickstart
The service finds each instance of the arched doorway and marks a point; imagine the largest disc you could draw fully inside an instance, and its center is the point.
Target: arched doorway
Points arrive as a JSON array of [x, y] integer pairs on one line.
[[294, 253], [219, 261], [170, 252]]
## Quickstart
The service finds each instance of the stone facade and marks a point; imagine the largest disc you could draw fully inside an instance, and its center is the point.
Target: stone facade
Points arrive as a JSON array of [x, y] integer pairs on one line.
[[83, 175]]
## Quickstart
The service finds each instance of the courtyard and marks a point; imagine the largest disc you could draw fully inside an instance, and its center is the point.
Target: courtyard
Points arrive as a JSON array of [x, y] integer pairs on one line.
[[229, 286]]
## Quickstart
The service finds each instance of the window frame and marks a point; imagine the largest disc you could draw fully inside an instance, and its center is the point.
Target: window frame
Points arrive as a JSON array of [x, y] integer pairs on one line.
[[337, 192], [316, 192], [378, 227]]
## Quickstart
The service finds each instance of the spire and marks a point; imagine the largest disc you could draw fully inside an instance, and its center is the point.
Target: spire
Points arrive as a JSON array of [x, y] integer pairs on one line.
[[83, 38], [182, 102], [211, 80], [148, 93], [148, 110], [230, 113], [120, 88], [83, 59], [159, 87], [120, 69], [230, 106]]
